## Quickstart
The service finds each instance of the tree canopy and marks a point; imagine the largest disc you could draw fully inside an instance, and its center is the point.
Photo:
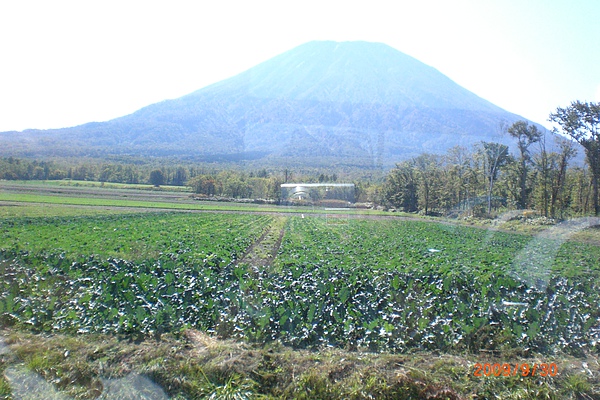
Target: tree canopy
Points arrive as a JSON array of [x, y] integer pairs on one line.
[[581, 121]]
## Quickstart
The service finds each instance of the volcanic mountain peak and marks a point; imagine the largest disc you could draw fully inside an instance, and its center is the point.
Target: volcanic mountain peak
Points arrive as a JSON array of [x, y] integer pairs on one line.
[[324, 100], [352, 72]]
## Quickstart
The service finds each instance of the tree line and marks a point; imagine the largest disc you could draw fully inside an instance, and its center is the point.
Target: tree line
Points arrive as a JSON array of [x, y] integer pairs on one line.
[[486, 178], [203, 180], [12, 168]]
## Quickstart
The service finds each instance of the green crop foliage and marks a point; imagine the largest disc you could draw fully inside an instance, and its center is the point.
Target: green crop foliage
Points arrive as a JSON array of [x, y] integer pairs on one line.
[[378, 285], [133, 237]]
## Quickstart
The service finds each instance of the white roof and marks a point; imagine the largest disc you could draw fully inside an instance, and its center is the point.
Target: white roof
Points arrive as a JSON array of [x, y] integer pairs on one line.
[[287, 185]]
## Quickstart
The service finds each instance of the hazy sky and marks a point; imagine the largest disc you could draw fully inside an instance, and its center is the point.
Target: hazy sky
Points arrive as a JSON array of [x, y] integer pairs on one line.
[[63, 63]]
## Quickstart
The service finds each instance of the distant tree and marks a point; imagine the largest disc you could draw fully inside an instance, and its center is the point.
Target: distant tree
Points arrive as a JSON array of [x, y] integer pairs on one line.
[[10, 176], [581, 121], [558, 196], [83, 173], [459, 161], [105, 173], [400, 188], [427, 167], [582, 190], [204, 184], [157, 177], [236, 187], [274, 188], [180, 176], [38, 173], [526, 135], [495, 156], [543, 165], [56, 174], [131, 175]]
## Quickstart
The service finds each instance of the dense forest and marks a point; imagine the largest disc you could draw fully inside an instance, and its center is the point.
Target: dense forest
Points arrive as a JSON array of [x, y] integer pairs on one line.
[[478, 181]]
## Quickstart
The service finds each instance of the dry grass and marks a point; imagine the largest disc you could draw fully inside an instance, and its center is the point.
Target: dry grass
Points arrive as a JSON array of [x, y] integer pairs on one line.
[[197, 365]]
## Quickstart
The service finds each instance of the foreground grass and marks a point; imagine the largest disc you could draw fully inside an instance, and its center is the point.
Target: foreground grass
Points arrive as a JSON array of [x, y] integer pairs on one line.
[[196, 365]]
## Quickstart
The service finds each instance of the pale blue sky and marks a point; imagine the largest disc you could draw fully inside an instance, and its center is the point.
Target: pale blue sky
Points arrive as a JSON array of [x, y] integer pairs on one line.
[[65, 63]]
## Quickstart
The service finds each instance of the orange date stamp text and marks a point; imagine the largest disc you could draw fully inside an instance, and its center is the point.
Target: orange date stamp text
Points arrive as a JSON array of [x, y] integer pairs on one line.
[[516, 369]]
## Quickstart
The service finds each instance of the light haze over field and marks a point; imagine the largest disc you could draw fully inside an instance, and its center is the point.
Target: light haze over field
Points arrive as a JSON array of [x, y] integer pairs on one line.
[[66, 63]]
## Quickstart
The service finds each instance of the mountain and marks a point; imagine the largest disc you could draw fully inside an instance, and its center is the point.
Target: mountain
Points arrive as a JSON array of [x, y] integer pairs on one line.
[[356, 103]]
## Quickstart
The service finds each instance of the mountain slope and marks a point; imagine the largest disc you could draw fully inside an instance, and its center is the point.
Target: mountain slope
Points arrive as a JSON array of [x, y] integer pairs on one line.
[[352, 102]]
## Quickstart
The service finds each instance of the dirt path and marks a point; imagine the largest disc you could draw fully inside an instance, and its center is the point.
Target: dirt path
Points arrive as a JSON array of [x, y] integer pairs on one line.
[[264, 250]]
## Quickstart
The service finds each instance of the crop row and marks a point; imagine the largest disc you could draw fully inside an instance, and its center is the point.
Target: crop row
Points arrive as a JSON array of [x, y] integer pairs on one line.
[[141, 236], [303, 305]]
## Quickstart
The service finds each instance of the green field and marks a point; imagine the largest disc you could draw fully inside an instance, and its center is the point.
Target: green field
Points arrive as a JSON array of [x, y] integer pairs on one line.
[[104, 185], [134, 237], [378, 284], [375, 284], [45, 193], [423, 246]]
